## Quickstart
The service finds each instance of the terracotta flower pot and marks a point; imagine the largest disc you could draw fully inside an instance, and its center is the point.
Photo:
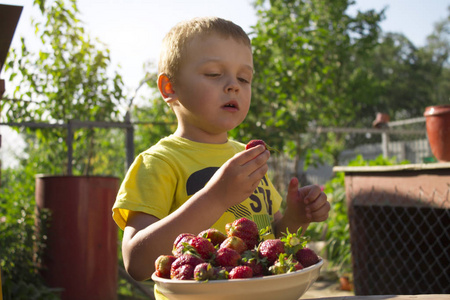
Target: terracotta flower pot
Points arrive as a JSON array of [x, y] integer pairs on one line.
[[438, 130], [81, 248], [381, 120]]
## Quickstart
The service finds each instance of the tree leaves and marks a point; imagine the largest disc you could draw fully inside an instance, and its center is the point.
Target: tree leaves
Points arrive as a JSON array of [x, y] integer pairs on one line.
[[302, 57], [68, 79]]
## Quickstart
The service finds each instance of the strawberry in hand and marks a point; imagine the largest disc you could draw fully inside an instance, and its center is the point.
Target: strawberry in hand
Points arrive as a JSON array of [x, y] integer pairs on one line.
[[254, 143]]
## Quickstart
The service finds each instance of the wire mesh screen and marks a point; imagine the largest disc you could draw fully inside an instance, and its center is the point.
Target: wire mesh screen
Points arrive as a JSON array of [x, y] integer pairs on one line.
[[400, 249]]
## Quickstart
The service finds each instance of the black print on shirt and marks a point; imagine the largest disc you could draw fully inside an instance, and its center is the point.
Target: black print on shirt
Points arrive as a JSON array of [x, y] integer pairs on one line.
[[199, 179], [261, 196]]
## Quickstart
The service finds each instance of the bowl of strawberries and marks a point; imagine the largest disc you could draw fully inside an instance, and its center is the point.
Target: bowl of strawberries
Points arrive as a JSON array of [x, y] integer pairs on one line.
[[240, 264]]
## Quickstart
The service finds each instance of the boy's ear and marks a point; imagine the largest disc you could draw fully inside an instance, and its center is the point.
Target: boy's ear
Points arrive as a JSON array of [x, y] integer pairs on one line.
[[165, 88]]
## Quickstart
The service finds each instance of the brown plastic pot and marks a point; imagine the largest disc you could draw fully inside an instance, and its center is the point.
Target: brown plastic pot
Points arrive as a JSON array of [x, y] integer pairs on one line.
[[81, 252], [438, 130]]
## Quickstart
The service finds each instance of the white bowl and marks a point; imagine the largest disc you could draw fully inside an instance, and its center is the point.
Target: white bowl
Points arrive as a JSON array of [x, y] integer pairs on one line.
[[284, 286]]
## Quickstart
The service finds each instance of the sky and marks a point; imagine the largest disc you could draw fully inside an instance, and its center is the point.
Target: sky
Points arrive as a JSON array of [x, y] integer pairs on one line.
[[133, 30]]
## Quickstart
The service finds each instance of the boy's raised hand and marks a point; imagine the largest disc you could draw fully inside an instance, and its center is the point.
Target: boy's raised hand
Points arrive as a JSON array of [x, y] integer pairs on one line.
[[238, 178], [306, 204]]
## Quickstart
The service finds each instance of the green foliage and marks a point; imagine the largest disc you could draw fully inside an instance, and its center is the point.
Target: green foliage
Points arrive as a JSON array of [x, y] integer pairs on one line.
[[335, 231], [68, 79], [303, 52], [317, 66], [21, 243], [401, 79]]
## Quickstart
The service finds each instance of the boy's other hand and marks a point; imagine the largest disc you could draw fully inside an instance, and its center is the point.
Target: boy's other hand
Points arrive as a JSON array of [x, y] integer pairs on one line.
[[307, 204]]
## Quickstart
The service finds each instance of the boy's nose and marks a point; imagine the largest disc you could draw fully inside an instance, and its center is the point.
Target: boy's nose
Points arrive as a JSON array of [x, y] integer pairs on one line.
[[232, 86]]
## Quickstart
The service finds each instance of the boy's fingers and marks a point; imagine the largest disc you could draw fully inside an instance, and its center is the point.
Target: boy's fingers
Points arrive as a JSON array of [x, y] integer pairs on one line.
[[321, 214], [253, 159], [293, 185], [252, 153], [319, 203], [313, 193]]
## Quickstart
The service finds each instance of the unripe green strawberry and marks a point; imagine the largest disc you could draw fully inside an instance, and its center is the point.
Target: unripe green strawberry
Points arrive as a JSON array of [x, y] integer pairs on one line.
[[214, 235], [163, 264], [285, 264], [245, 229], [221, 273], [235, 243], [204, 271]]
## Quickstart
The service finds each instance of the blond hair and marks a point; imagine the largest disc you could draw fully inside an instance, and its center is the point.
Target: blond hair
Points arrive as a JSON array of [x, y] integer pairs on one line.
[[176, 40]]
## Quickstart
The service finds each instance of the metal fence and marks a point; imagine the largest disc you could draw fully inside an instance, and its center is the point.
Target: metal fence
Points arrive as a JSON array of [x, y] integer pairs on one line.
[[402, 250], [403, 144], [404, 140], [400, 229]]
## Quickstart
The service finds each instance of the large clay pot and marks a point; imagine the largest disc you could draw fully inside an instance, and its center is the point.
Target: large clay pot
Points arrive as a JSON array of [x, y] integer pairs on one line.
[[438, 130], [81, 252]]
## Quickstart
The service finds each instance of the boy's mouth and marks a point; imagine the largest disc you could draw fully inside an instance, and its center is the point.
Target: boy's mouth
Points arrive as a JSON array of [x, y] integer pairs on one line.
[[232, 105]]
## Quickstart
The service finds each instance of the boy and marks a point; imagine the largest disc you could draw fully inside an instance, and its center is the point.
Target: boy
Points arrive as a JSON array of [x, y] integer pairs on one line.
[[196, 178]]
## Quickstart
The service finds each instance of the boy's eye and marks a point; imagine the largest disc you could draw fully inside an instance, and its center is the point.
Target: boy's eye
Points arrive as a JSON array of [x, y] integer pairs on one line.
[[212, 75], [243, 80]]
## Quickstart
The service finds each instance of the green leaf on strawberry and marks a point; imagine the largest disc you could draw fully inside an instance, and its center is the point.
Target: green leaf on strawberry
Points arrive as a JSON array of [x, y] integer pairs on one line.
[[294, 241]]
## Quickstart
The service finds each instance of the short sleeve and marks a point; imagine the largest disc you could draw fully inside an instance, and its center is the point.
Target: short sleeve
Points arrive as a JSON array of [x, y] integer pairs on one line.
[[149, 186]]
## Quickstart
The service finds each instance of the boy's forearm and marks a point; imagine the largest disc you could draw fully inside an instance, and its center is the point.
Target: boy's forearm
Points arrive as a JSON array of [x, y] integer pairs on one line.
[[145, 244]]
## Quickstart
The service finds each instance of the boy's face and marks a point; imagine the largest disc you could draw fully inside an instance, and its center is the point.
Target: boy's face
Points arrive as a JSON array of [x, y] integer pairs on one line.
[[213, 87]]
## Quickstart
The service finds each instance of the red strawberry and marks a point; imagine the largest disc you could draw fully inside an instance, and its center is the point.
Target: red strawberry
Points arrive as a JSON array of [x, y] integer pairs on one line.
[[271, 249], [254, 143], [227, 257], [178, 246], [183, 237], [202, 246], [307, 257], [163, 264], [285, 264], [241, 272], [184, 272], [245, 229], [235, 243], [214, 235], [179, 269], [204, 271]]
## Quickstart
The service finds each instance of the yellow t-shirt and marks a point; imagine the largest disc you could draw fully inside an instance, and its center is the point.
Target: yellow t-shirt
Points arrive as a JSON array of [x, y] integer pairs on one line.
[[165, 176]]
